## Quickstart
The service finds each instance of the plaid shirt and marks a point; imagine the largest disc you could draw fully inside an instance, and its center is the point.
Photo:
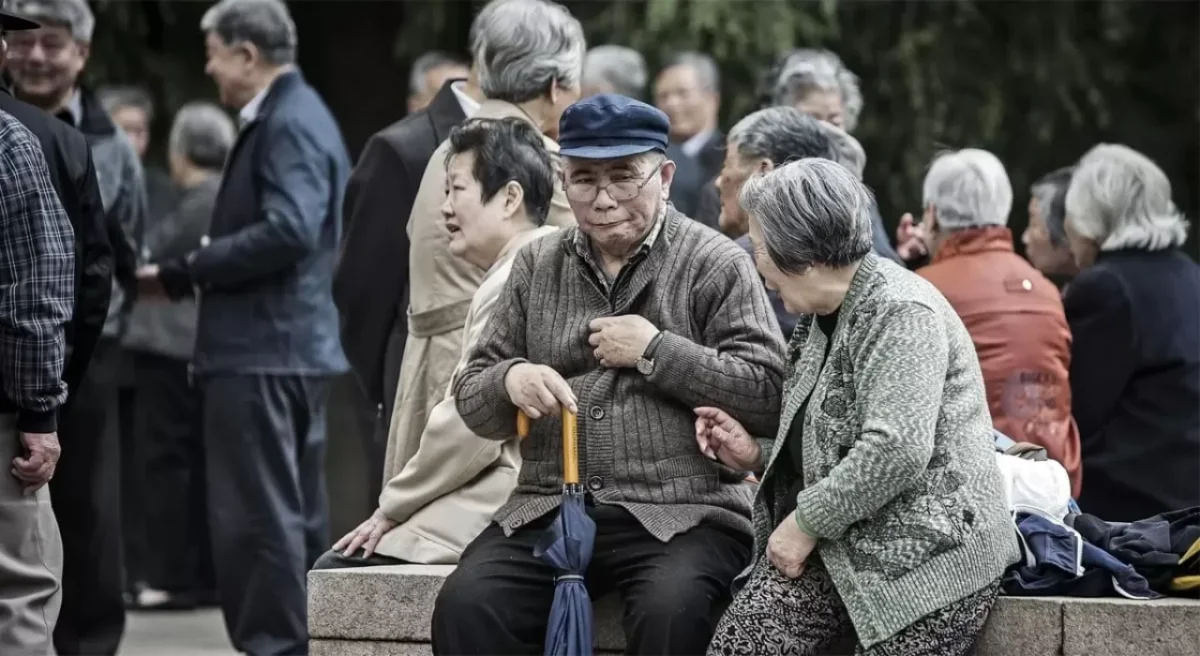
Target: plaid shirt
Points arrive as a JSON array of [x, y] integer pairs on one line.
[[37, 267]]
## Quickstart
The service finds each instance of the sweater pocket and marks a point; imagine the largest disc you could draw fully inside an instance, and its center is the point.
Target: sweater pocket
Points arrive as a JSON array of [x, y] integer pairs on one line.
[[701, 475], [922, 523]]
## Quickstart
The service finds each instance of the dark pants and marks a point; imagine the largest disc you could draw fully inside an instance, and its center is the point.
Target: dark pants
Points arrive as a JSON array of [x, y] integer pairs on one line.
[[498, 599], [264, 441], [134, 549], [168, 432], [86, 496]]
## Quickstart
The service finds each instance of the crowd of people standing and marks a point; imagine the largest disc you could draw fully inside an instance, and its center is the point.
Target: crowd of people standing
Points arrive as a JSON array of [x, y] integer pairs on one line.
[[786, 418]]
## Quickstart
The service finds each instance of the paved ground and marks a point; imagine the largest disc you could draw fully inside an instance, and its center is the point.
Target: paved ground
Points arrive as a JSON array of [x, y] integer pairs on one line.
[[194, 633]]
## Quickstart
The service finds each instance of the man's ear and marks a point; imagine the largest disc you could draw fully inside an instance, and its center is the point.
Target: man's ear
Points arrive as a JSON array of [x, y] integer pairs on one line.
[[251, 52], [931, 222], [666, 174], [765, 165], [85, 49]]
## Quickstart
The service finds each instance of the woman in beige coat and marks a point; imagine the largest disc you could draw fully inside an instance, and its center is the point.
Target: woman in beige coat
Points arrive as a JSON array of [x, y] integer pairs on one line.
[[500, 180], [523, 74]]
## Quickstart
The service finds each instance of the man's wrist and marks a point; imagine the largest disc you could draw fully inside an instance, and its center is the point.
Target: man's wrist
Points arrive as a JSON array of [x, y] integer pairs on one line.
[[653, 345]]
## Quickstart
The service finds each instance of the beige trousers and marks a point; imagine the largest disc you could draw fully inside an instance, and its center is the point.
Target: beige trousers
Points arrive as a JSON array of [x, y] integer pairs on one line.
[[31, 559]]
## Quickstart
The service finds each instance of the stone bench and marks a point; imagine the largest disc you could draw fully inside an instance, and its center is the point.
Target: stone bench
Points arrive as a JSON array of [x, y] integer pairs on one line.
[[374, 611]]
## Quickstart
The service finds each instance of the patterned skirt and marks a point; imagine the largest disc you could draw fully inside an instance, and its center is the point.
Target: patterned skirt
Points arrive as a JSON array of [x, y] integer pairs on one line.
[[774, 615]]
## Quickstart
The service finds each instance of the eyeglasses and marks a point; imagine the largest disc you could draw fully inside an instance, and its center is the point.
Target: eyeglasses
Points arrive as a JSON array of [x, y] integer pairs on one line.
[[619, 190]]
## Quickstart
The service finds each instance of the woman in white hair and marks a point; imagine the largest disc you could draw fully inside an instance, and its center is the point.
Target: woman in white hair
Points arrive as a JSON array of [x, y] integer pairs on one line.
[[1134, 312]]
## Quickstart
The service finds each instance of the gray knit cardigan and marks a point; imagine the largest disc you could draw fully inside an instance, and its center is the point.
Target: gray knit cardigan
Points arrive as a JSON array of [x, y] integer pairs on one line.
[[901, 483]]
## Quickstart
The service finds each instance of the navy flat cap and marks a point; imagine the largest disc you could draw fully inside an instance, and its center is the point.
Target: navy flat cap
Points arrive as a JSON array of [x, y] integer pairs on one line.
[[11, 22], [609, 126]]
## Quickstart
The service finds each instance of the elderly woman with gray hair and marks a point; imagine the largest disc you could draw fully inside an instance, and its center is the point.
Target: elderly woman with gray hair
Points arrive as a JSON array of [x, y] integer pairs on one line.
[[160, 337], [1134, 312], [880, 509], [817, 83]]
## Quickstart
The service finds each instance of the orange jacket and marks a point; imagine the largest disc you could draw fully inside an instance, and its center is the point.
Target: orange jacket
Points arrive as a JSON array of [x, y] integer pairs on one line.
[[1015, 317]]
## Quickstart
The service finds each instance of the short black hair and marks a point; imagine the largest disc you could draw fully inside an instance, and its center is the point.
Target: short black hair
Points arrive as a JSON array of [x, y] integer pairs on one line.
[[508, 150], [1051, 193]]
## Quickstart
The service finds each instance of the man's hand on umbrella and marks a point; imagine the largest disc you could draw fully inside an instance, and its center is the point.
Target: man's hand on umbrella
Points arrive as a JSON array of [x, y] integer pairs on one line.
[[723, 438], [539, 391], [366, 536], [620, 341]]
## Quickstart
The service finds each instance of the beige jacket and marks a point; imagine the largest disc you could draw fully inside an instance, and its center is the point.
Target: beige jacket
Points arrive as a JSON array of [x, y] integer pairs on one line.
[[440, 290], [447, 492]]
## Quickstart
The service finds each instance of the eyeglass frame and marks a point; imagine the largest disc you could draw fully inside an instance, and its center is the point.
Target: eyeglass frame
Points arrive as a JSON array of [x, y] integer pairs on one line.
[[596, 188]]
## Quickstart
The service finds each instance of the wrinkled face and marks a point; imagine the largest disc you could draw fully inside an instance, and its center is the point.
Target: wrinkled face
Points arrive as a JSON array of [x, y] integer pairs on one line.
[[734, 173], [435, 79], [232, 68], [792, 288], [824, 106], [45, 63], [690, 107], [1042, 253], [478, 228], [136, 125], [1083, 250], [616, 201]]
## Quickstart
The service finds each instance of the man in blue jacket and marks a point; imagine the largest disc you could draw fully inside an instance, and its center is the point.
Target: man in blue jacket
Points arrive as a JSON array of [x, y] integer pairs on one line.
[[267, 341]]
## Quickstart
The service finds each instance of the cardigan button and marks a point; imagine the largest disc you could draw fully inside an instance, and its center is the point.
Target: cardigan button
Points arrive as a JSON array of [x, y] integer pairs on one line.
[[595, 483], [596, 412]]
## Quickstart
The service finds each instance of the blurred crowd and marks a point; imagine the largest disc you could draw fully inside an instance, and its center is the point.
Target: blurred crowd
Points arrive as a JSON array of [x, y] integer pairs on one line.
[[776, 395]]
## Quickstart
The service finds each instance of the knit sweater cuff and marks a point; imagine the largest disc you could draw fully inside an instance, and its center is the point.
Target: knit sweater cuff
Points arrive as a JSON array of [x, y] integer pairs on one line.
[[815, 516], [33, 421], [502, 412]]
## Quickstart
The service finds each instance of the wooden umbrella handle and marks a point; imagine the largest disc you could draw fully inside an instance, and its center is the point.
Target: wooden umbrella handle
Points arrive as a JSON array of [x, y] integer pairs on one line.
[[570, 447], [570, 442]]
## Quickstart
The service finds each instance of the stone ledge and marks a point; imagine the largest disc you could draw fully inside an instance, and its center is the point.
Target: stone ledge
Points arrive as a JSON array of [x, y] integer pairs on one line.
[[372, 611]]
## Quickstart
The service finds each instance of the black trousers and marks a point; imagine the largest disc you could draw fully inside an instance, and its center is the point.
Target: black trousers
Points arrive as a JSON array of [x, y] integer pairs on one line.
[[86, 496], [171, 442], [264, 442], [498, 599], [134, 549]]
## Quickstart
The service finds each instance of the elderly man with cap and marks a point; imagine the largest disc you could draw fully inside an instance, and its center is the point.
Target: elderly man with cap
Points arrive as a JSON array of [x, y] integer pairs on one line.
[[630, 320]]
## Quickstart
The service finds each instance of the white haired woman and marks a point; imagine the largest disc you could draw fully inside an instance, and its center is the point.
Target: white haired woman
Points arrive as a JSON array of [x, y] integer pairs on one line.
[[880, 509], [817, 83], [1134, 312]]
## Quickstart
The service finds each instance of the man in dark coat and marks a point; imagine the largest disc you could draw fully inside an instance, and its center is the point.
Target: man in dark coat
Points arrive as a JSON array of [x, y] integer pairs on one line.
[[371, 283], [267, 335]]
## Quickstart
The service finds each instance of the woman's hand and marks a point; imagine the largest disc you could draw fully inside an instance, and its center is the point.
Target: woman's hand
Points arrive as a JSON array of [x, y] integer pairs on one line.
[[723, 438], [367, 535], [788, 547]]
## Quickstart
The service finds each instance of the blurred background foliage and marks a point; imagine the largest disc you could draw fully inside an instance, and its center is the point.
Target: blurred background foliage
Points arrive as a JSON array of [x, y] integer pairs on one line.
[[1035, 82]]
